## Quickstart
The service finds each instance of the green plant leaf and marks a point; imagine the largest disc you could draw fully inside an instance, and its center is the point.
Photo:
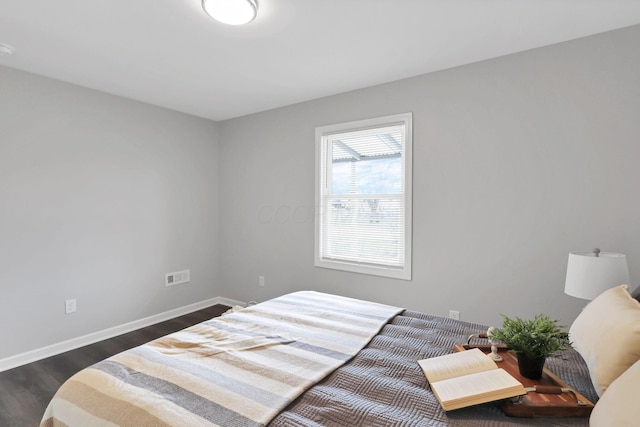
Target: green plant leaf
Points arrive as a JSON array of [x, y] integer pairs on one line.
[[537, 337]]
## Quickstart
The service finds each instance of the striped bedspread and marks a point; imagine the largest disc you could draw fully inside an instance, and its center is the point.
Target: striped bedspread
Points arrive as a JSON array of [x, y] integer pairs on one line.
[[240, 369]]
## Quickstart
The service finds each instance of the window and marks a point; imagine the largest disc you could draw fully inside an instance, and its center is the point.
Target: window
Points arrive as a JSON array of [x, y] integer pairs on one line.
[[363, 192]]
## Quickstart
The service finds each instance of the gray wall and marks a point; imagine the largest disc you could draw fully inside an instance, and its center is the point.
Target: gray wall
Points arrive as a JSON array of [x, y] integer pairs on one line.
[[99, 198], [517, 161]]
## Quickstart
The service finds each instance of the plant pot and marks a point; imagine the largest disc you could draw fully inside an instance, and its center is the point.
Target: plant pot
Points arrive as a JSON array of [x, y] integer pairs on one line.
[[530, 368]]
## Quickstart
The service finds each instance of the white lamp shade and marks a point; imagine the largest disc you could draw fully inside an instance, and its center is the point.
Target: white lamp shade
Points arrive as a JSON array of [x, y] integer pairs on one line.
[[589, 275], [232, 12]]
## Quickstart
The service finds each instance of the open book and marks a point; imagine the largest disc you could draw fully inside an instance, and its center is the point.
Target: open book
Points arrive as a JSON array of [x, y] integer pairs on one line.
[[468, 378]]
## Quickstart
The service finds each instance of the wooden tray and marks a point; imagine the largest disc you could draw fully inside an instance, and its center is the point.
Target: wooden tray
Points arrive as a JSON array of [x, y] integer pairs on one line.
[[536, 404]]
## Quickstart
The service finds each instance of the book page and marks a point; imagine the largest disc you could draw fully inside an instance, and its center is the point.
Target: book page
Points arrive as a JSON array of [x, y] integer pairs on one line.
[[456, 364], [476, 388]]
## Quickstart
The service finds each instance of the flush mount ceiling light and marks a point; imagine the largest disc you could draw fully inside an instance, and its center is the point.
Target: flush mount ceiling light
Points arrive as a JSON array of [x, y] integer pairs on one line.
[[232, 12]]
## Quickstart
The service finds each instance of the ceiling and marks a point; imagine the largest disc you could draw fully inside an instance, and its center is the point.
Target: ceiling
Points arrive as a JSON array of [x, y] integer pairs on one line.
[[170, 53]]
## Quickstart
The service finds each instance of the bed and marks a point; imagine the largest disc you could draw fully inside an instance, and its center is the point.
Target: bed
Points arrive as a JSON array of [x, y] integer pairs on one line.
[[303, 359]]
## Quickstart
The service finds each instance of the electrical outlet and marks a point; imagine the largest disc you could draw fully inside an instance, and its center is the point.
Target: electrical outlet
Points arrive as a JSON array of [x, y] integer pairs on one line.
[[261, 281], [454, 314], [70, 306]]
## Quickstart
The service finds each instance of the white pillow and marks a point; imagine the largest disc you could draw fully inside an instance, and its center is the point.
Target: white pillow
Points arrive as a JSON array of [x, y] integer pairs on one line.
[[618, 406], [607, 335]]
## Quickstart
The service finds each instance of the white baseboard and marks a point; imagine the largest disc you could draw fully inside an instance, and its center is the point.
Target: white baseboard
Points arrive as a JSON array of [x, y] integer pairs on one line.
[[54, 349]]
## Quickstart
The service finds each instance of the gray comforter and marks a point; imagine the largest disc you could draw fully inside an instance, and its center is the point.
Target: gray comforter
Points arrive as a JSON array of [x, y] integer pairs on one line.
[[384, 385]]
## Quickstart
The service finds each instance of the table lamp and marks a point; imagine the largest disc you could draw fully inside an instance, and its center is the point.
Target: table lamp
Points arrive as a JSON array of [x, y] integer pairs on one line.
[[591, 273]]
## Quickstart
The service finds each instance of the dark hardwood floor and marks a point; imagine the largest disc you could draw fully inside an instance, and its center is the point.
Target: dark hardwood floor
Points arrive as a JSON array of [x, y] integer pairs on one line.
[[25, 391]]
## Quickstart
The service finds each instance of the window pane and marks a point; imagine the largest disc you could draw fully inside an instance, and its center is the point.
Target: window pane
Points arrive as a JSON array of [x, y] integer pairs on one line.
[[379, 176], [365, 230]]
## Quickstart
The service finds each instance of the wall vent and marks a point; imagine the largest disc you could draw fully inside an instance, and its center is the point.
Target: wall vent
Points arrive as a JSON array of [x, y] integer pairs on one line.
[[177, 278]]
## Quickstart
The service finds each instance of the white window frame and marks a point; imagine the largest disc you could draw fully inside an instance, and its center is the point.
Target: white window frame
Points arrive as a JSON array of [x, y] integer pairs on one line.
[[322, 191]]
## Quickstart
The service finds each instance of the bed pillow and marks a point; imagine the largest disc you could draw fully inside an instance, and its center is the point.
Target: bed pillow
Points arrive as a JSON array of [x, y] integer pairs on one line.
[[618, 406], [607, 335]]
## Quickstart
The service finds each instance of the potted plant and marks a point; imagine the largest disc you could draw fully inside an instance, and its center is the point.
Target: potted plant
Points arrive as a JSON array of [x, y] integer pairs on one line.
[[533, 341]]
